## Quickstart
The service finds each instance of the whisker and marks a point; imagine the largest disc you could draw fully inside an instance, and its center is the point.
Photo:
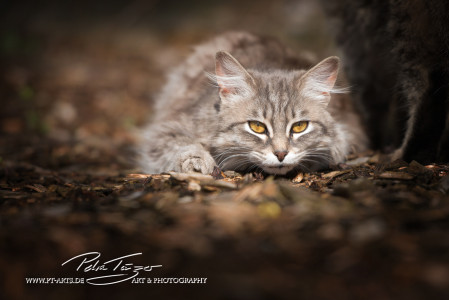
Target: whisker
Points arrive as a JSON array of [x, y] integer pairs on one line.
[[226, 162]]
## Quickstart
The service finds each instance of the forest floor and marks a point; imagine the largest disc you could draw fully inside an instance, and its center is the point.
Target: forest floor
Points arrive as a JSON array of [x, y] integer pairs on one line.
[[369, 229]]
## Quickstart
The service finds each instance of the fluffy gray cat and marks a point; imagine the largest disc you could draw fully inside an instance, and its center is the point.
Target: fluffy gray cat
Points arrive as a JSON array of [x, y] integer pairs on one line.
[[263, 112]]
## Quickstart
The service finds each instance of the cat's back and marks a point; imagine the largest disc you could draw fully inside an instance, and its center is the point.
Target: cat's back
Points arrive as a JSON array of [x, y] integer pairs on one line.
[[188, 83]]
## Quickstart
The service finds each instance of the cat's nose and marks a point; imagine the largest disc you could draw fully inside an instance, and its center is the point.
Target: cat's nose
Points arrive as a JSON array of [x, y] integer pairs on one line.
[[281, 154]]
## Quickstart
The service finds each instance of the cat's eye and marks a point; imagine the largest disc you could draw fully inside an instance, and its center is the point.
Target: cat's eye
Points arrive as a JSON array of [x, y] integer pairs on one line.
[[257, 127], [300, 126]]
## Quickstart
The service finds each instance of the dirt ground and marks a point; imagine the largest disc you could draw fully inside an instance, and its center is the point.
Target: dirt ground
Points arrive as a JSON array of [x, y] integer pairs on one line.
[[76, 82]]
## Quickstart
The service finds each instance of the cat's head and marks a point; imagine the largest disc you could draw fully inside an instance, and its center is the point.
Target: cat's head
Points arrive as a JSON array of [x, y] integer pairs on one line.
[[275, 121]]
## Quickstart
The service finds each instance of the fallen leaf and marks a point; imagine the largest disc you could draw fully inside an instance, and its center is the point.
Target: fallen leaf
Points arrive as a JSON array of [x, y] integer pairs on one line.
[[334, 174], [396, 175], [298, 178], [269, 209]]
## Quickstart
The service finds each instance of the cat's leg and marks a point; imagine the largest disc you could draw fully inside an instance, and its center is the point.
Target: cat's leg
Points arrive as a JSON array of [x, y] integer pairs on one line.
[[396, 57], [428, 95], [419, 32], [164, 149]]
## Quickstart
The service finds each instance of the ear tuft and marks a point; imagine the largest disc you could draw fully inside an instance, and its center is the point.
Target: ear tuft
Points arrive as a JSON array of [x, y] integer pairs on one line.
[[319, 82], [231, 76]]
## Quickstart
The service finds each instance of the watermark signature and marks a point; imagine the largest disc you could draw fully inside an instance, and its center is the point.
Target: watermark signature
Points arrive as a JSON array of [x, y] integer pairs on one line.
[[90, 263], [112, 271]]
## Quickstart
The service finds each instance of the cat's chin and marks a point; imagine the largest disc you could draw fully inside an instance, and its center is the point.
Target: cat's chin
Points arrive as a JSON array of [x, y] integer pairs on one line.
[[278, 170]]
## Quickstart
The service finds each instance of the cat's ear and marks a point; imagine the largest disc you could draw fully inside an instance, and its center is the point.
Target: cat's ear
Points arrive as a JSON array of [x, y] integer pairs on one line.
[[318, 83], [232, 78]]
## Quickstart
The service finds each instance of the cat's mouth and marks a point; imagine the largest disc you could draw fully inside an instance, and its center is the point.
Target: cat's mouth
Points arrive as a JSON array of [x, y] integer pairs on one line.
[[280, 169]]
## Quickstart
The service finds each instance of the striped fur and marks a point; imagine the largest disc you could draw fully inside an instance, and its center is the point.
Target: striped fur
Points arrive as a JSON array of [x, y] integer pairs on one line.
[[199, 125]]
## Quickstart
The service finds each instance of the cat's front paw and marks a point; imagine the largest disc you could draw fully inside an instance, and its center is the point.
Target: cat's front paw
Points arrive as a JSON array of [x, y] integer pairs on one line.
[[196, 161]]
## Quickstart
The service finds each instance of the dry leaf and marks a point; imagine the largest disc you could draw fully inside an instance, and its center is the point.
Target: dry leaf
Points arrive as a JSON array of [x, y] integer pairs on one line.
[[298, 178], [396, 175]]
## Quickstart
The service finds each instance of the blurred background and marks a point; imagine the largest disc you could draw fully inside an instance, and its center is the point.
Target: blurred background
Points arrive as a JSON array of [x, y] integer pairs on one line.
[[76, 77]]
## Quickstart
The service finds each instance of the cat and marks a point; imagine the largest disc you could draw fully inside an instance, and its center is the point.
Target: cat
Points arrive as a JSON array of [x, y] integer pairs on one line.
[[264, 112], [396, 57]]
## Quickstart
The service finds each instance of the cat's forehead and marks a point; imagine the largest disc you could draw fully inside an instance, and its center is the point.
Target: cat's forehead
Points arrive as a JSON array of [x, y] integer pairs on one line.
[[277, 80], [278, 95]]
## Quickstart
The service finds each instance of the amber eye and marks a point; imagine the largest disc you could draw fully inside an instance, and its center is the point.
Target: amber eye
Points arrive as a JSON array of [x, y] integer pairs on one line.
[[257, 127], [300, 126]]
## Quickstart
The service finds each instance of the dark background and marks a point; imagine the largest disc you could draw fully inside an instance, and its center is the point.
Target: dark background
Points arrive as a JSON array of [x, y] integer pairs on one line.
[[76, 70], [77, 79]]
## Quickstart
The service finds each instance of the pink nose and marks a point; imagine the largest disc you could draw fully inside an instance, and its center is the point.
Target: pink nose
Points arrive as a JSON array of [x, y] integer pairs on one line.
[[281, 154]]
